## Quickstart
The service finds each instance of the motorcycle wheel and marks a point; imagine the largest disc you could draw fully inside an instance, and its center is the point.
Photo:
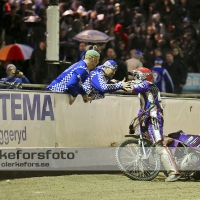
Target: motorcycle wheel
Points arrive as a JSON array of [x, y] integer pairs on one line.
[[131, 164]]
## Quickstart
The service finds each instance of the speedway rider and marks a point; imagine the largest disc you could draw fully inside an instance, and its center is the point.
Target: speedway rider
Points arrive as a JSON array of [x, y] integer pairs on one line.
[[100, 81], [150, 100]]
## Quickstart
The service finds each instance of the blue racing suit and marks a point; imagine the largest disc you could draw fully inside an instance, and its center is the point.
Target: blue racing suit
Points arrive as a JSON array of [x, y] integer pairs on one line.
[[149, 96], [97, 84], [71, 80], [150, 101]]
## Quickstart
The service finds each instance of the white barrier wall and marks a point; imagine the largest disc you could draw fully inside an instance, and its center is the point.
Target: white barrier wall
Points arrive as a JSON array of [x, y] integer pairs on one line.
[[30, 119], [27, 119]]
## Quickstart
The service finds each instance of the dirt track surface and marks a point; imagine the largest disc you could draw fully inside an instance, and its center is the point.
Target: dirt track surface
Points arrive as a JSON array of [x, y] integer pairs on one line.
[[96, 187]]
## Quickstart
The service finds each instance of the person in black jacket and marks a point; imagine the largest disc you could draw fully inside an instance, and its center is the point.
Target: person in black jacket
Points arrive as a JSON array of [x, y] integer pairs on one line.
[[11, 24], [181, 60], [176, 72], [38, 63]]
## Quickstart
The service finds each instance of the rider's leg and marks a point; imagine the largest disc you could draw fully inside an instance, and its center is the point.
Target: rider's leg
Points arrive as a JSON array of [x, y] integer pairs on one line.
[[168, 162], [156, 131], [155, 128]]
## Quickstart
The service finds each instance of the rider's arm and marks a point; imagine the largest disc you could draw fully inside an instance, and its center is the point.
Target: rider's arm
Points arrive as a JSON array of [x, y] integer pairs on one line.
[[140, 87]]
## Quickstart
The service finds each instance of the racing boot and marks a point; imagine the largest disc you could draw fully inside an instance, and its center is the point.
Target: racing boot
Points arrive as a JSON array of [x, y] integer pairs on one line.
[[168, 162], [172, 177]]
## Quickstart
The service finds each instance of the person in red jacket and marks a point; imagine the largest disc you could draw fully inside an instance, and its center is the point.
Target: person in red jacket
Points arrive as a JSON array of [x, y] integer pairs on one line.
[[122, 36]]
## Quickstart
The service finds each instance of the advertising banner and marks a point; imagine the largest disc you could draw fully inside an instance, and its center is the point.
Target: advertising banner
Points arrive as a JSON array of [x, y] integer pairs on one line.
[[34, 120], [27, 119], [130, 158], [193, 82]]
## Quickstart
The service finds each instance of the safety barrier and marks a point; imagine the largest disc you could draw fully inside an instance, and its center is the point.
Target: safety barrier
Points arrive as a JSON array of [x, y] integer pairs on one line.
[[45, 119]]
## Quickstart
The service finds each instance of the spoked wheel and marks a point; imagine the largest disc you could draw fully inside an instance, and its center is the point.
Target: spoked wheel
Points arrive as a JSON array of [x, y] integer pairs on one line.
[[136, 164]]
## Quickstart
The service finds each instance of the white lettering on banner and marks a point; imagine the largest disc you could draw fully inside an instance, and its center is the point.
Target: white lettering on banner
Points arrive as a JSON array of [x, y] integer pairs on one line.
[[39, 108], [12, 135], [193, 81], [189, 81]]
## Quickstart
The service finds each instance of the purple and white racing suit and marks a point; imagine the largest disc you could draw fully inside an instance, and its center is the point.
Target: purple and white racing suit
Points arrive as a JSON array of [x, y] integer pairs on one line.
[[149, 96]]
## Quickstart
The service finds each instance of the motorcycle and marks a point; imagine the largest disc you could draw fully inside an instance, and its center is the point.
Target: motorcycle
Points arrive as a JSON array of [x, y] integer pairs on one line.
[[137, 157]]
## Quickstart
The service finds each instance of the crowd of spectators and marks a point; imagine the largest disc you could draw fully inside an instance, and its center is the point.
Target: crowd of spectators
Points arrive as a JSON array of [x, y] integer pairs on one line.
[[158, 29]]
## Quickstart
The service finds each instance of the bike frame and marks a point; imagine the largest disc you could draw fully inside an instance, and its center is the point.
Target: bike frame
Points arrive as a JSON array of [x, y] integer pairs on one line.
[[137, 122]]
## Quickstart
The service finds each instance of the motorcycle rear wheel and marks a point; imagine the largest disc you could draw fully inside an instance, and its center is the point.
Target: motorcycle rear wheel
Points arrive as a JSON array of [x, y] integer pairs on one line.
[[132, 166]]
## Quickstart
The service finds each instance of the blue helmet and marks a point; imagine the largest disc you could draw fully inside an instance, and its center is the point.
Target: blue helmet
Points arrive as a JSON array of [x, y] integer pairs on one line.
[[111, 64]]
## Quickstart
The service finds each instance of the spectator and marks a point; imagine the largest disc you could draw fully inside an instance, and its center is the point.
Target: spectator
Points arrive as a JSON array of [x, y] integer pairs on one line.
[[75, 4], [92, 19], [63, 6], [178, 54], [178, 57], [120, 35], [150, 11], [150, 43], [134, 62], [176, 72], [161, 77], [158, 53], [169, 13], [77, 26], [38, 63], [21, 35], [175, 45], [158, 26], [102, 52], [13, 75], [23, 11], [81, 51], [121, 51], [188, 46], [136, 35], [100, 7], [101, 23], [40, 10], [11, 22], [3, 65], [183, 9], [117, 14], [188, 28], [143, 25], [63, 35], [67, 20], [4, 9]]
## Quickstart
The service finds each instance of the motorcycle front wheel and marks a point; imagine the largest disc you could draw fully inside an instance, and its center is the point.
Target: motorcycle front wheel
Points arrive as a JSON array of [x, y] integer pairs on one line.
[[136, 163]]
